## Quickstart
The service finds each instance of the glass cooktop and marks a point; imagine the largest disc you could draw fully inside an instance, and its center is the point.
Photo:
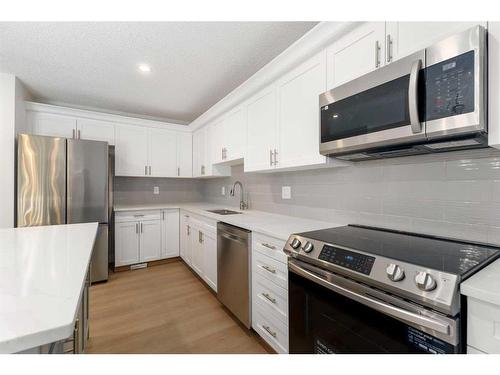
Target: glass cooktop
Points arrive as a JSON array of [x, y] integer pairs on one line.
[[452, 256]]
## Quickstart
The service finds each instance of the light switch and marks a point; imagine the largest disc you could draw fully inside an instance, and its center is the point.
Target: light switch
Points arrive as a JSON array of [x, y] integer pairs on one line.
[[156, 190], [286, 192], [223, 190]]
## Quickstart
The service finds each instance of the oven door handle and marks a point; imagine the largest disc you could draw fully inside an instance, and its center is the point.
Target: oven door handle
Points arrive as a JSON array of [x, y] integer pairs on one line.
[[393, 311], [416, 125]]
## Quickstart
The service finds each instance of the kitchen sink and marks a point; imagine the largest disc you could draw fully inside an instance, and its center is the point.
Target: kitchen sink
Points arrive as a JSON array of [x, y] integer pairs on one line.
[[224, 212]]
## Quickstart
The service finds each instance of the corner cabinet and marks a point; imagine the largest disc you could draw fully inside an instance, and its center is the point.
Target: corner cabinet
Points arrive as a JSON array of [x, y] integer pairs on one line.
[[131, 151]]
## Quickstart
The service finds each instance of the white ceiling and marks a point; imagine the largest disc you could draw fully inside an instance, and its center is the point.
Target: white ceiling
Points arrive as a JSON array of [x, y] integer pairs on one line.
[[89, 64]]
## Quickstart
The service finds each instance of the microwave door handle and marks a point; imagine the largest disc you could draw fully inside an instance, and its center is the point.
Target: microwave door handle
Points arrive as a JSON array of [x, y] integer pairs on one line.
[[416, 125], [390, 310]]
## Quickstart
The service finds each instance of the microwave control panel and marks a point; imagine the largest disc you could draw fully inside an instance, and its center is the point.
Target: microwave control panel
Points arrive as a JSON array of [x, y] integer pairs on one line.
[[449, 87], [347, 259]]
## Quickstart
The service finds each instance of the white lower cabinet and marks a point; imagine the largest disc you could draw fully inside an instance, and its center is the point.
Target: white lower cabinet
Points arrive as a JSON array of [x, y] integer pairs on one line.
[[198, 246], [270, 291], [483, 326], [145, 236]]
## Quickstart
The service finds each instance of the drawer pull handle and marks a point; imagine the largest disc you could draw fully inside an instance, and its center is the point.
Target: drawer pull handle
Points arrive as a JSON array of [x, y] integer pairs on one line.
[[268, 330], [269, 246], [138, 215], [269, 298], [269, 269]]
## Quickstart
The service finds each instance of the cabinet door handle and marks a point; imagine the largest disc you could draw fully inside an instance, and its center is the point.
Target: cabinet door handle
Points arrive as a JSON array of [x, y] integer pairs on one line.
[[136, 228], [73, 134], [275, 157], [377, 54], [178, 171], [188, 230], [138, 215], [388, 46], [163, 215], [145, 170], [269, 246], [78, 134], [140, 224], [269, 269], [271, 158], [268, 330], [150, 170], [269, 298]]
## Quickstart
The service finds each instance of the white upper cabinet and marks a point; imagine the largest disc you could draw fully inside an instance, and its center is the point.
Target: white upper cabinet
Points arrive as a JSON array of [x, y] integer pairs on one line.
[[162, 153], [404, 38], [199, 157], [96, 130], [262, 129], [234, 134], [359, 52], [51, 125], [298, 114], [216, 141], [184, 154], [131, 151]]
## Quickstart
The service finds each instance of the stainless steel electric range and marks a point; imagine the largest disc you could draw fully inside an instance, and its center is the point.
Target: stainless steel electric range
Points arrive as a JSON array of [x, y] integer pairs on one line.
[[358, 289]]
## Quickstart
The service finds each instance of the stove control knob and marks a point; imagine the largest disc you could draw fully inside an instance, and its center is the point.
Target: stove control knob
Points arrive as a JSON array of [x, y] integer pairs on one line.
[[308, 247], [394, 272], [295, 244], [425, 281]]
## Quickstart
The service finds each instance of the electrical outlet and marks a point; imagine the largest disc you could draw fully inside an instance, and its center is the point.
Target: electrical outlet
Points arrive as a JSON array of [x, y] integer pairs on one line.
[[156, 190], [223, 190], [286, 192]]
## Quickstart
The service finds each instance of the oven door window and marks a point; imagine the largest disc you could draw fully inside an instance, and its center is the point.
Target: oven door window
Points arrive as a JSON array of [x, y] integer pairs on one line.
[[379, 108], [322, 321]]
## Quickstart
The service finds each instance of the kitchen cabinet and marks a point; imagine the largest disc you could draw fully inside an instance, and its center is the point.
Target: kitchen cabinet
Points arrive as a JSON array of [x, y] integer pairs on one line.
[[196, 243], [185, 238], [96, 130], [209, 243], [170, 233], [162, 153], [138, 237], [404, 38], [229, 137], [298, 114], [356, 53], [262, 130], [51, 125], [184, 154], [199, 152], [131, 151], [206, 141]]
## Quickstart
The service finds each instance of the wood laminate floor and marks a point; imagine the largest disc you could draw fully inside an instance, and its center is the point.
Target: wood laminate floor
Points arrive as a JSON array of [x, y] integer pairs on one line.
[[163, 309]]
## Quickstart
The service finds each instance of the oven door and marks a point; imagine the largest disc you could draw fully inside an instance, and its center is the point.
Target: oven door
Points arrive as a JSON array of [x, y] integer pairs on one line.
[[329, 313], [378, 109]]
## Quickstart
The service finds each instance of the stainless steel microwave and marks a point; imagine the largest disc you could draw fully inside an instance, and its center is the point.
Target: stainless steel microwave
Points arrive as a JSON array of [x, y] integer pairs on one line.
[[433, 100]]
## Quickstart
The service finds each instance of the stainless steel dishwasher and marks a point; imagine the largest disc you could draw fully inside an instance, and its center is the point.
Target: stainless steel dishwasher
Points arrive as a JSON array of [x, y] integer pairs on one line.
[[233, 270]]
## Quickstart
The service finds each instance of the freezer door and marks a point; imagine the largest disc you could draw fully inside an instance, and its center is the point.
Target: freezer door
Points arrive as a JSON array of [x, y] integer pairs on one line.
[[41, 183], [87, 170]]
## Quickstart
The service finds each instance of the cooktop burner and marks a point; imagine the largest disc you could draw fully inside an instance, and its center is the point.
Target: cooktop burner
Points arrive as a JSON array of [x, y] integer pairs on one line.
[[451, 256]]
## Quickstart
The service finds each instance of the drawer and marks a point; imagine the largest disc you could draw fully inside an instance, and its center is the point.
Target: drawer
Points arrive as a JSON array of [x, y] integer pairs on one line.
[[483, 326], [273, 331], [267, 293], [269, 268], [200, 221], [472, 350], [269, 246], [125, 216]]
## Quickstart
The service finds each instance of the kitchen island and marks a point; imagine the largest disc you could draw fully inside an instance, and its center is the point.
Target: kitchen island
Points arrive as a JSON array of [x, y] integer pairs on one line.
[[43, 273]]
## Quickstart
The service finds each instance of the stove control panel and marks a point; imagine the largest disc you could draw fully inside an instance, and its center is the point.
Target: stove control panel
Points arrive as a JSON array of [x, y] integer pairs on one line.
[[347, 259]]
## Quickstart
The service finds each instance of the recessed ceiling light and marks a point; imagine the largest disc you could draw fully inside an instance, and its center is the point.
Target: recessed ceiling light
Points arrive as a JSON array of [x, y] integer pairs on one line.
[[144, 68]]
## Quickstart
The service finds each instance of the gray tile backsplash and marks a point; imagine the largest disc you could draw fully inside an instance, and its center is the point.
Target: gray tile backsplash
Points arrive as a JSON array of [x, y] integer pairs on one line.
[[451, 194], [139, 190]]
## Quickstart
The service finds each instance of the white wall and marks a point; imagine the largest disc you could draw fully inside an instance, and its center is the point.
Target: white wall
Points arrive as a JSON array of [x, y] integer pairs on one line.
[[12, 121]]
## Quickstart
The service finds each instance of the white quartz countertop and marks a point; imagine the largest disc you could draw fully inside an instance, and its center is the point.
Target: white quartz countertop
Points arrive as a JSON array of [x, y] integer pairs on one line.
[[278, 226], [42, 275], [484, 285]]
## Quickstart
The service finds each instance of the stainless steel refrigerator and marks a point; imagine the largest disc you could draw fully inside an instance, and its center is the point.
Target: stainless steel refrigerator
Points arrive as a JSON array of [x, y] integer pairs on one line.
[[65, 181]]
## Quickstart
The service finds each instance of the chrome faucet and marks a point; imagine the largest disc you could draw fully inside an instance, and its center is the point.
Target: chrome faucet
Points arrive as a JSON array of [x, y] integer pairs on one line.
[[243, 204]]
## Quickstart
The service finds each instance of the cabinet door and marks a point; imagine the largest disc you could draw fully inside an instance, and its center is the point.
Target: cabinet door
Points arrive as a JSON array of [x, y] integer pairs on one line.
[[150, 240], [184, 155], [131, 151], [52, 125], [408, 37], [199, 153], [162, 153], [196, 250], [170, 239], [261, 130], [216, 141], [235, 134], [185, 239], [357, 53], [210, 258], [96, 130], [299, 114], [126, 243]]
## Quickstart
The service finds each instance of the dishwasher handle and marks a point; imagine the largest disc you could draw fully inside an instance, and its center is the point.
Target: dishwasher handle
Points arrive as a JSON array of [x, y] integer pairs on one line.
[[232, 237]]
